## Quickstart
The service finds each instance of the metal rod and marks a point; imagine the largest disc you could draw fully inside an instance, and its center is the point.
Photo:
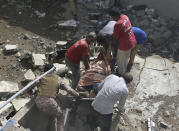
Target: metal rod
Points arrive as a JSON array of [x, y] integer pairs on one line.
[[25, 88], [66, 116]]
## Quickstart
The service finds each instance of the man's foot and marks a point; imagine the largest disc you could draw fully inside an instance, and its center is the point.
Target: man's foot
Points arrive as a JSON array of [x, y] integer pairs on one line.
[[127, 77]]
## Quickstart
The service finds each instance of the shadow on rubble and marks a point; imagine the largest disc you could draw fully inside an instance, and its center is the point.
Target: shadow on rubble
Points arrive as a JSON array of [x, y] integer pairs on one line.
[[21, 13]]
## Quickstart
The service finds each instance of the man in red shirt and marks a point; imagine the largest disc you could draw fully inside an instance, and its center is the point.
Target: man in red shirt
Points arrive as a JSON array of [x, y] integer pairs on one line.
[[125, 39], [77, 52]]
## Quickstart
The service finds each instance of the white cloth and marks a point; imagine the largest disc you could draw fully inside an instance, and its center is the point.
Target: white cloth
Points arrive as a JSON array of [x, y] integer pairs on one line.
[[113, 89], [108, 29], [122, 60]]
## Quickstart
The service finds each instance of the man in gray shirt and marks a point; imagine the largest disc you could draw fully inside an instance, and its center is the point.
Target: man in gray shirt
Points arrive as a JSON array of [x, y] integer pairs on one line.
[[111, 90]]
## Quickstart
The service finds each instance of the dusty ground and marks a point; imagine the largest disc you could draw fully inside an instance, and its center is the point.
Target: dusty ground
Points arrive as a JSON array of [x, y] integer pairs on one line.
[[18, 18]]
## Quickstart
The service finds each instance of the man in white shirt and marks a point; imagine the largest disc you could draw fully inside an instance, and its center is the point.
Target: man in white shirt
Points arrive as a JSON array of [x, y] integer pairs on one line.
[[111, 90]]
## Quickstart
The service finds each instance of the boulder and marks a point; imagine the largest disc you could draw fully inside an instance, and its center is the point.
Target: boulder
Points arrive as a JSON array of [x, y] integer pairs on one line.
[[11, 48], [19, 103], [29, 75], [38, 59], [7, 87]]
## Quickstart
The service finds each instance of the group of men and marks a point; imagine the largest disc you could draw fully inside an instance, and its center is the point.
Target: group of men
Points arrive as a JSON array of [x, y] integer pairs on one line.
[[117, 35]]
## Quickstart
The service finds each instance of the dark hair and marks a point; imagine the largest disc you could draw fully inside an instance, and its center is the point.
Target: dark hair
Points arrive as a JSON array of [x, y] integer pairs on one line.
[[114, 13], [48, 67]]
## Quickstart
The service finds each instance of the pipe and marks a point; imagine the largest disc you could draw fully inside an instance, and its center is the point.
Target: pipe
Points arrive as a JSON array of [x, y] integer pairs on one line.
[[25, 88]]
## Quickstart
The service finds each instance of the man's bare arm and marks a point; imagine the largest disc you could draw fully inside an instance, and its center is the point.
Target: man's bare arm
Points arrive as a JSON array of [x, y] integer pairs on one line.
[[67, 88]]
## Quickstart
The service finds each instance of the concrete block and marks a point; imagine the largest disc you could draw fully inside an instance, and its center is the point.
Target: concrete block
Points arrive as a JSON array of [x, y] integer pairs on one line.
[[19, 103], [59, 66], [69, 24], [29, 75], [38, 59], [7, 87], [5, 111], [61, 43], [11, 48]]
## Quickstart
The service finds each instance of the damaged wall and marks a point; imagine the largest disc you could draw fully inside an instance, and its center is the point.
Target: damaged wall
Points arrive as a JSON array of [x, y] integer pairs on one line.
[[166, 8]]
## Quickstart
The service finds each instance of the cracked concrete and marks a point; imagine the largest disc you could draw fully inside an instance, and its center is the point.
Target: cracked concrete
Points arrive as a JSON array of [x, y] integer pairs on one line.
[[156, 85]]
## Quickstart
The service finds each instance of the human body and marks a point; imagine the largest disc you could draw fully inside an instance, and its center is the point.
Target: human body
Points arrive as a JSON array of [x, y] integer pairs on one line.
[[111, 90], [77, 52], [47, 92], [125, 38], [141, 38]]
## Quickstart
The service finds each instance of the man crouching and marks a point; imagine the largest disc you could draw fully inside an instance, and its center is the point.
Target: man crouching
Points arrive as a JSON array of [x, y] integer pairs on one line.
[[48, 88]]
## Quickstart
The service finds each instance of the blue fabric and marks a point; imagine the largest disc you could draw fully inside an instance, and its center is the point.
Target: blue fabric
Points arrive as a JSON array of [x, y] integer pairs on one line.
[[9, 123], [140, 35]]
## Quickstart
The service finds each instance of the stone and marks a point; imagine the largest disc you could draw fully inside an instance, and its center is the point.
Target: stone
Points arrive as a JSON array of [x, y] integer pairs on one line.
[[164, 125], [166, 113], [39, 14], [59, 66], [27, 37], [29, 75], [19, 103], [138, 110], [60, 44], [6, 110], [94, 22], [11, 48], [38, 59], [69, 24], [18, 55], [7, 87]]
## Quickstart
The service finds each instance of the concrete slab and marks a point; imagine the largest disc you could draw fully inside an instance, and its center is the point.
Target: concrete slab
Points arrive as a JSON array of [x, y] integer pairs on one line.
[[8, 87], [19, 103], [11, 48], [29, 75], [155, 62], [159, 79], [69, 24], [38, 59], [59, 44], [137, 68], [59, 66]]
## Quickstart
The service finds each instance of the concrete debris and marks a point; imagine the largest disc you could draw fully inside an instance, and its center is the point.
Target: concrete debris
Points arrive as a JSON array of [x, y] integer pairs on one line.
[[7, 87], [69, 24], [19, 103], [18, 54], [59, 66], [27, 37], [138, 110], [29, 75], [4, 112], [11, 48], [60, 44], [38, 59], [164, 125], [39, 14]]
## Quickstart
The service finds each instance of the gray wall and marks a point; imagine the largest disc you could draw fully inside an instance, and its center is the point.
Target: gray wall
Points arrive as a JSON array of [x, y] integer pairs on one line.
[[165, 8]]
